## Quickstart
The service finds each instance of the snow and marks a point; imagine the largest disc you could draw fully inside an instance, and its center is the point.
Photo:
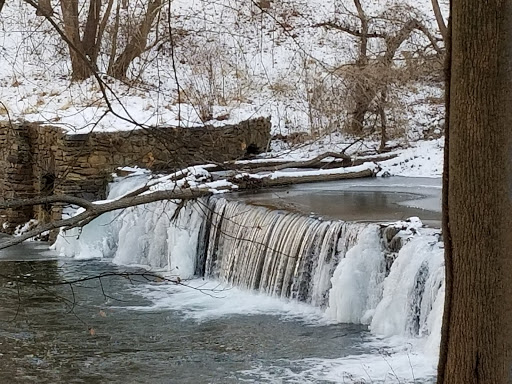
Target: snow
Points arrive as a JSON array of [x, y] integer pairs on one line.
[[259, 70], [423, 159]]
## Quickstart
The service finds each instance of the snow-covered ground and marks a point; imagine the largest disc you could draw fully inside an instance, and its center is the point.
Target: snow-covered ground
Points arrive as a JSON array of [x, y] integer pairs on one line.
[[232, 57]]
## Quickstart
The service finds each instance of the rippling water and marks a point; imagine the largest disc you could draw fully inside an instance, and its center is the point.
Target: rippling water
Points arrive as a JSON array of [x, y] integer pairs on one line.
[[119, 330]]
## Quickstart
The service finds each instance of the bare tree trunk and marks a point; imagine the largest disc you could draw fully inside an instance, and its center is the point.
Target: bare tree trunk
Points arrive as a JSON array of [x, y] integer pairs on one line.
[[45, 8], [383, 120], [89, 44], [103, 26], [362, 104], [113, 39], [89, 39], [439, 19], [80, 69], [362, 93], [477, 214], [138, 42]]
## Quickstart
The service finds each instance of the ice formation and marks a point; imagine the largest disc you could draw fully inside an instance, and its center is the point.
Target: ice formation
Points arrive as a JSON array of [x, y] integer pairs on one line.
[[355, 271]]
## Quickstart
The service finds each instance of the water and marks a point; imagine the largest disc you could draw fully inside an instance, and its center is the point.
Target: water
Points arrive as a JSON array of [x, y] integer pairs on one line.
[[48, 335], [372, 199], [272, 293]]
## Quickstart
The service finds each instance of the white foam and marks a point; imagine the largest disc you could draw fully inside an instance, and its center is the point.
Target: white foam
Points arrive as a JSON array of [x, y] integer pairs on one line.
[[204, 300]]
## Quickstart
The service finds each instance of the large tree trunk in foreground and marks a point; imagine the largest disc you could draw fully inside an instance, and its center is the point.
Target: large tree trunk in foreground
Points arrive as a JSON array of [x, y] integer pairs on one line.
[[476, 203]]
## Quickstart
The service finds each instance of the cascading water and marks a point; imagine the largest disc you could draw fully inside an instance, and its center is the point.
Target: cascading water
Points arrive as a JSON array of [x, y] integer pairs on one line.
[[279, 253], [358, 272]]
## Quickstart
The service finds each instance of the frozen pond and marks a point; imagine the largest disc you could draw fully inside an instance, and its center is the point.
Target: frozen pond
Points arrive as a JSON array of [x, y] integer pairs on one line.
[[370, 199]]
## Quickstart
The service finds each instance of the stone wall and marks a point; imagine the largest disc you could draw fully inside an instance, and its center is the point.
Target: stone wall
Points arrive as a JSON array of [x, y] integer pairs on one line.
[[16, 171], [42, 160]]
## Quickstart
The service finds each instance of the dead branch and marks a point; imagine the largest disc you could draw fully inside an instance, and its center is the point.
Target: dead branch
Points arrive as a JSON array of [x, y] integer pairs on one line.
[[93, 210], [46, 200], [350, 31], [439, 19]]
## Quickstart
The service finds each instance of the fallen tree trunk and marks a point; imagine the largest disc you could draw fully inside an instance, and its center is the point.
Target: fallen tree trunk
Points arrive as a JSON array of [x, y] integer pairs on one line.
[[319, 162], [251, 181], [92, 210]]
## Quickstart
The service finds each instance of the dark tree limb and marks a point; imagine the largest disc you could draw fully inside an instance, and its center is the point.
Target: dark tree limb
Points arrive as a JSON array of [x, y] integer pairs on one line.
[[93, 211], [350, 31], [440, 20], [46, 200]]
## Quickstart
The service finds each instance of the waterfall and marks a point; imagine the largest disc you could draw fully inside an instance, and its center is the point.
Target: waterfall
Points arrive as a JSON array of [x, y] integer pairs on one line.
[[280, 253], [390, 277]]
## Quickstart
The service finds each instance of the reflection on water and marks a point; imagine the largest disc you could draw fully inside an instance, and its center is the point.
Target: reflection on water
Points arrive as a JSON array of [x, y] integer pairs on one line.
[[88, 333], [374, 199]]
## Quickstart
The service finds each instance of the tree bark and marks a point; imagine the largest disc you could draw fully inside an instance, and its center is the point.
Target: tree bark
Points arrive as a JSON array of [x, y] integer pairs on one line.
[[89, 40], [440, 20], [138, 42], [477, 216], [79, 69], [45, 8]]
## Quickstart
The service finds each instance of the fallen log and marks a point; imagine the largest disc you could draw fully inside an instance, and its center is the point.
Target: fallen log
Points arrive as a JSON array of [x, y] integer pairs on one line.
[[253, 181], [319, 162], [183, 191]]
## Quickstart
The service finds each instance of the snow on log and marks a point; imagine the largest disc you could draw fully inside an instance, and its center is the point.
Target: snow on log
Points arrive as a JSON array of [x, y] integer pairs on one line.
[[279, 178]]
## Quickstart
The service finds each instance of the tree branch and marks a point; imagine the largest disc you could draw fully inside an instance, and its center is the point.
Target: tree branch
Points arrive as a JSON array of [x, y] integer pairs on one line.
[[46, 200], [353, 32], [440, 19], [92, 211]]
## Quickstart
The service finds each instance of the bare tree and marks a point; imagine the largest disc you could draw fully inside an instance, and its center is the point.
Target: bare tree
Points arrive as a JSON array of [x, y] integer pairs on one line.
[[89, 42], [370, 73], [138, 42], [85, 35]]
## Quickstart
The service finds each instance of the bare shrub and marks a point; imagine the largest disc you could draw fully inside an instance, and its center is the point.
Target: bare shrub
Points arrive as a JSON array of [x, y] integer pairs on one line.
[[214, 79]]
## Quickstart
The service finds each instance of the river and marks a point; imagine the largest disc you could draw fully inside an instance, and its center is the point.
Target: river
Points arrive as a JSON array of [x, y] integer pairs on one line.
[[121, 330]]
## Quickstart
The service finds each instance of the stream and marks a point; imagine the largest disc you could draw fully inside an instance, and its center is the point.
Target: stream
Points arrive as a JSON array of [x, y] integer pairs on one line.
[[132, 330]]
